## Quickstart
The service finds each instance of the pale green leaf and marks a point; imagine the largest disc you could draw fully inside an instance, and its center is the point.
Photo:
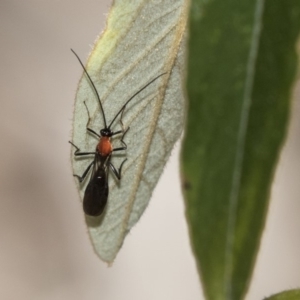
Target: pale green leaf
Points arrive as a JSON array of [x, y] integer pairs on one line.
[[142, 39]]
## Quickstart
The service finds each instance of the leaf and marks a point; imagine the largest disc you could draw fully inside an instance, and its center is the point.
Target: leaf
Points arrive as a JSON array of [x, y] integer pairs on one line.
[[241, 68], [286, 295], [142, 39]]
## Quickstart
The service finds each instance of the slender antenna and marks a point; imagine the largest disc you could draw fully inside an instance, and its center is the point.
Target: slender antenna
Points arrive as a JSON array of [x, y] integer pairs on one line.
[[93, 87], [123, 107]]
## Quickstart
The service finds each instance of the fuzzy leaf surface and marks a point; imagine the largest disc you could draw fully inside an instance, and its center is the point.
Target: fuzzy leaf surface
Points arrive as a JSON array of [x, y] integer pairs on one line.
[[142, 39]]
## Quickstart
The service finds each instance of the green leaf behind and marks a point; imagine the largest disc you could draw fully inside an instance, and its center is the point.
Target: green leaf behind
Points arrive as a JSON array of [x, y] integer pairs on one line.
[[241, 68], [286, 295]]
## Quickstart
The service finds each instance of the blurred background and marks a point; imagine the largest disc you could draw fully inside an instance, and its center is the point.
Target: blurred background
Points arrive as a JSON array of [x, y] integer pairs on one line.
[[45, 252]]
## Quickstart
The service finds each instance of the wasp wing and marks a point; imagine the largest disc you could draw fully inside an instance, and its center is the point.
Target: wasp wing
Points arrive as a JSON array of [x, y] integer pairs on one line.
[[96, 192]]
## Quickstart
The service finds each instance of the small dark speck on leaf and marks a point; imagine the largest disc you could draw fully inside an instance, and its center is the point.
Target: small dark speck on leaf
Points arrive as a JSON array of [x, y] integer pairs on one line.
[[186, 185]]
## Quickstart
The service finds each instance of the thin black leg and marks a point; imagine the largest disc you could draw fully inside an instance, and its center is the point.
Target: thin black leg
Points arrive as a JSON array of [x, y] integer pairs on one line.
[[78, 153], [81, 178], [94, 132], [114, 170], [117, 132], [122, 142], [122, 125], [88, 122]]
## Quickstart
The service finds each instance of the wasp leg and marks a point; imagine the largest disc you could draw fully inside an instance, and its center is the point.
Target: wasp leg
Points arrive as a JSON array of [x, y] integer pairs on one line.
[[78, 153], [120, 131], [94, 132], [115, 171], [124, 132], [117, 132], [81, 178], [88, 122], [122, 142]]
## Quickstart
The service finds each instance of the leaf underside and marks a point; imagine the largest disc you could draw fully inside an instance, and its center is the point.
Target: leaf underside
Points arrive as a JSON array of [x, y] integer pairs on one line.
[[142, 40]]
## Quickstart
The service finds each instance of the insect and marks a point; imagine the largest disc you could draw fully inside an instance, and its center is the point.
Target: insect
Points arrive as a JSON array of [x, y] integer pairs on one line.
[[96, 193]]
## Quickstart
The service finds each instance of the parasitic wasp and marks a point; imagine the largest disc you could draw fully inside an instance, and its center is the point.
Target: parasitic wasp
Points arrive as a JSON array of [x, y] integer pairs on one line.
[[96, 192]]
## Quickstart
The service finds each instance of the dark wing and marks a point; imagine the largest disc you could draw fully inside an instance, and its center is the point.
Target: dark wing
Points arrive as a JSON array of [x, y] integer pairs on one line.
[[96, 193]]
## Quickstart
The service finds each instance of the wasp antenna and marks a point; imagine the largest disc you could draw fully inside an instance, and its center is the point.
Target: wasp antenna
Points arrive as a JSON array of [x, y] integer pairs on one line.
[[98, 97], [123, 107]]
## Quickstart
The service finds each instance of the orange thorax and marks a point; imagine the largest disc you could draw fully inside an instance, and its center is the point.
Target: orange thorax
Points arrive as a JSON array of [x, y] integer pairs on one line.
[[104, 146]]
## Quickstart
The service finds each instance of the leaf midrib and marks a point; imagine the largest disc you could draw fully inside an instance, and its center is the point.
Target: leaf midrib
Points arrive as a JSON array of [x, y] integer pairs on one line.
[[240, 148]]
